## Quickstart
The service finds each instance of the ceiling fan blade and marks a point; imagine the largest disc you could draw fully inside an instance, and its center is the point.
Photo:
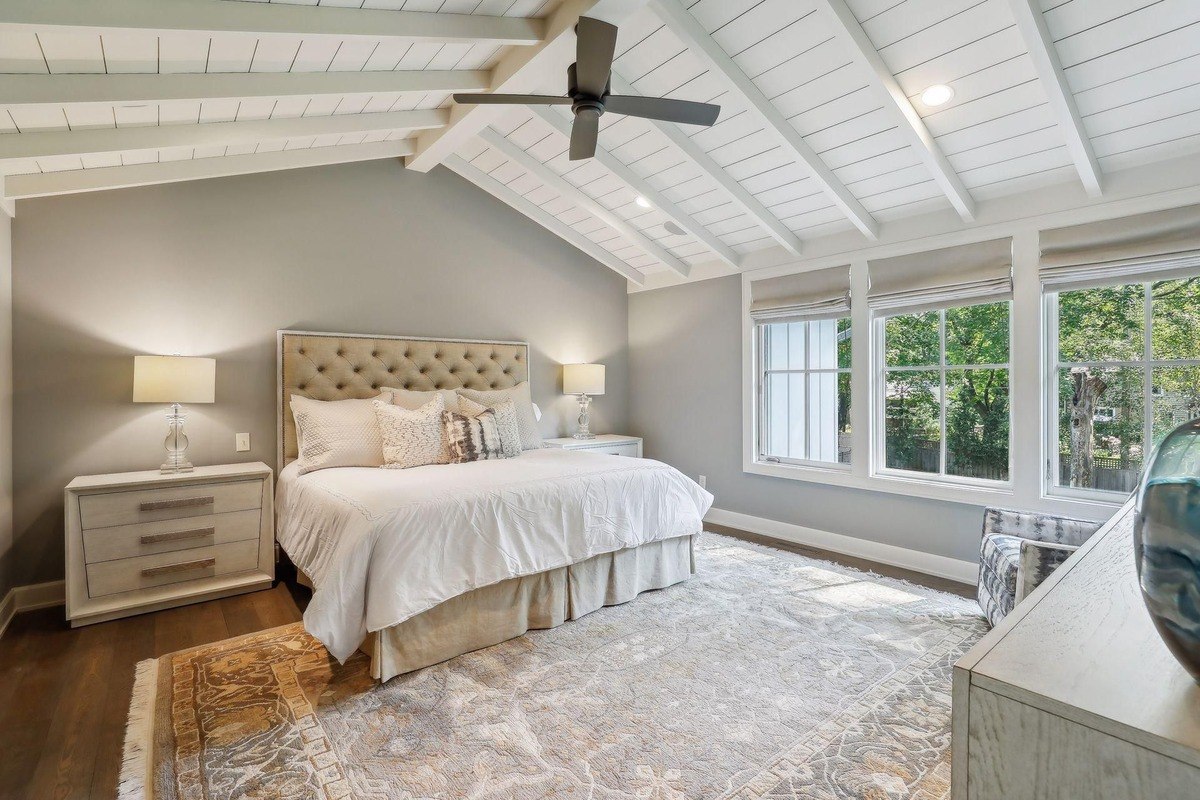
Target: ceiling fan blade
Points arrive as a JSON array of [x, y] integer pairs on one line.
[[584, 133], [666, 109], [512, 99], [597, 42]]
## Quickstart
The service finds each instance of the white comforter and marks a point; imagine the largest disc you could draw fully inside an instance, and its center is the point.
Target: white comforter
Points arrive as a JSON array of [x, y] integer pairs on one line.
[[384, 545]]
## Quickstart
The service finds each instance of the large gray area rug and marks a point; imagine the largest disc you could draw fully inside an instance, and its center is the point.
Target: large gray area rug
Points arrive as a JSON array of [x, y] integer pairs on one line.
[[767, 675]]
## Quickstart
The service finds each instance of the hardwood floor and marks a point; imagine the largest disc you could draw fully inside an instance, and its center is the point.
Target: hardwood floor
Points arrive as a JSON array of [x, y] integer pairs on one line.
[[64, 693]]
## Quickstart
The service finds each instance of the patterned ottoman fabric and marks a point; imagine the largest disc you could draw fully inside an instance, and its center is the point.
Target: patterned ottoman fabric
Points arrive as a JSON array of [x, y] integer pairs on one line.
[[998, 559]]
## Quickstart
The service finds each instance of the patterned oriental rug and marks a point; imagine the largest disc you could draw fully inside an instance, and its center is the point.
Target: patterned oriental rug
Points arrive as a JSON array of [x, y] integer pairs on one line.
[[767, 675]]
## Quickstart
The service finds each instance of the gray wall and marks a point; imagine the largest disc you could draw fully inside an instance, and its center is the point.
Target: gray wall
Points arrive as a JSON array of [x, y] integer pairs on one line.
[[6, 397], [685, 371], [216, 267]]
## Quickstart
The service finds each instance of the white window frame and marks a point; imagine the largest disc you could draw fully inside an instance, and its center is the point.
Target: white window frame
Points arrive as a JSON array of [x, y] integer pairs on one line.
[[761, 373], [878, 390], [1050, 411]]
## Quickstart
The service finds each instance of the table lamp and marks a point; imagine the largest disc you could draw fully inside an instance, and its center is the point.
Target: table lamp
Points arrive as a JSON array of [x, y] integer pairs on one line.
[[174, 380], [584, 380]]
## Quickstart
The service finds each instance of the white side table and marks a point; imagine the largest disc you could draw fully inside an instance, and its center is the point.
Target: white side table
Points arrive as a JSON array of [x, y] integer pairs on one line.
[[611, 443]]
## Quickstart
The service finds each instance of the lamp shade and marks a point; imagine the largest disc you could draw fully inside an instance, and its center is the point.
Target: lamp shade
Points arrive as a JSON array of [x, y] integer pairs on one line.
[[583, 379], [174, 379]]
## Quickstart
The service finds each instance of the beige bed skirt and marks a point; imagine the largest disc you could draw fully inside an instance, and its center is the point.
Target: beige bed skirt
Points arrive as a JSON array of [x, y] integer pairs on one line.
[[502, 611]]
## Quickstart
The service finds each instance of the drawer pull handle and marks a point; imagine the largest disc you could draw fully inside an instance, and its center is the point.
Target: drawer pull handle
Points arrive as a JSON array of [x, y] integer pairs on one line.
[[186, 566], [175, 536], [185, 502]]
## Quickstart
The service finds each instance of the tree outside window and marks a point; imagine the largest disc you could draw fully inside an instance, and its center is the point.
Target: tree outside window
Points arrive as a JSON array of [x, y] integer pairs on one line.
[[946, 392], [1128, 372]]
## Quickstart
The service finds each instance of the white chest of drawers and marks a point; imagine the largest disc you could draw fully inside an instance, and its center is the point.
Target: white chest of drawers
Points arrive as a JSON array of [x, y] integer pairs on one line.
[[144, 541]]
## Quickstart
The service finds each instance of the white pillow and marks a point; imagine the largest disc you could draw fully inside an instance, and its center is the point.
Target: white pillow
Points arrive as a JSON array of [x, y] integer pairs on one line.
[[412, 438], [337, 433], [413, 399], [519, 394], [506, 423]]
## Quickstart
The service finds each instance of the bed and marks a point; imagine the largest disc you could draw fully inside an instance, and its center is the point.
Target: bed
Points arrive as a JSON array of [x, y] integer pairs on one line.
[[419, 565]]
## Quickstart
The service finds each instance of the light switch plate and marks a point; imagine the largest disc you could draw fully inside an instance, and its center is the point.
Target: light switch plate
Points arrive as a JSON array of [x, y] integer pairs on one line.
[[241, 442]]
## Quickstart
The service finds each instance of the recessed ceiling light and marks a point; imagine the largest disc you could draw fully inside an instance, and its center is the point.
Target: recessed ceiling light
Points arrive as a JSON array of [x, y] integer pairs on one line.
[[937, 95], [643, 202]]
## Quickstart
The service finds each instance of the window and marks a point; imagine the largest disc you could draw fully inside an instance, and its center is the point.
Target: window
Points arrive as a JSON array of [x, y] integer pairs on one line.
[[945, 392], [1126, 371], [805, 387]]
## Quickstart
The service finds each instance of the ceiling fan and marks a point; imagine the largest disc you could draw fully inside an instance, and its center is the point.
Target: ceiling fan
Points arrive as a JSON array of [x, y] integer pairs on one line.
[[588, 85]]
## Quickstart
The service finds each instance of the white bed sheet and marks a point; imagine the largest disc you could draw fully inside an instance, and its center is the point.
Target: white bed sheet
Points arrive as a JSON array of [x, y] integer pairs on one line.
[[384, 545]]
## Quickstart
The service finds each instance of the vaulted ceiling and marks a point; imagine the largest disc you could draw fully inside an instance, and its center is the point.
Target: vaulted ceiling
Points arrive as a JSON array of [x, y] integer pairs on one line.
[[822, 128]]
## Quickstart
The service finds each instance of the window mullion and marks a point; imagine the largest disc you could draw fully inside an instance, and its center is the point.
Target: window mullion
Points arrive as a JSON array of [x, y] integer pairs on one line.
[[942, 466], [1147, 375], [807, 421]]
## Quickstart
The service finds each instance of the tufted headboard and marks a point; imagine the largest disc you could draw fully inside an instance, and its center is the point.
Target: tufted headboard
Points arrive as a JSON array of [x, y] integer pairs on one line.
[[340, 366]]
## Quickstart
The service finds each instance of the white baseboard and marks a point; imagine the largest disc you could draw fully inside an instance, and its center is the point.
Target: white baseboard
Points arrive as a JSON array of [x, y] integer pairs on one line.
[[916, 560], [29, 598]]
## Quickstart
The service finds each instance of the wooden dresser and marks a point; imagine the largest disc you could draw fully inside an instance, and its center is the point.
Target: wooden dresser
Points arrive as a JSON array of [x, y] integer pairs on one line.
[[1074, 695], [144, 541]]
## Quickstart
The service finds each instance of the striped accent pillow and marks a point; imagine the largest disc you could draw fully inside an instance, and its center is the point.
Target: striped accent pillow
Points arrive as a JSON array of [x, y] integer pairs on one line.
[[472, 438]]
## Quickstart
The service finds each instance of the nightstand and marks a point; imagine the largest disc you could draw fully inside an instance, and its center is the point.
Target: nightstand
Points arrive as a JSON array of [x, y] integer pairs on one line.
[[605, 443], [144, 541]]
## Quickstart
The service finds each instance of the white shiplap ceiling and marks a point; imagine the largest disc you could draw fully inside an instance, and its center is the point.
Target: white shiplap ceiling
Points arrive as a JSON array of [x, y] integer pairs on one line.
[[822, 129]]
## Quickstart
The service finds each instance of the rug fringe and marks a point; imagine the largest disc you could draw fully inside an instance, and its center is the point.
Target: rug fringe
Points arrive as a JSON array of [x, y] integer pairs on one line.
[[135, 782]]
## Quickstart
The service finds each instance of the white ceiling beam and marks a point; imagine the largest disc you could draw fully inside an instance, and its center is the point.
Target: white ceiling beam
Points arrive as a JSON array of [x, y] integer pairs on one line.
[[264, 19], [719, 63], [575, 195], [862, 50], [732, 187], [550, 223], [45, 184], [1042, 51], [33, 91], [8, 205], [43, 144], [522, 70], [639, 185]]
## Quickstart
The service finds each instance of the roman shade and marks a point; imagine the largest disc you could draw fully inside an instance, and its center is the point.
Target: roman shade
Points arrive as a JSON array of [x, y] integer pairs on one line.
[[969, 273], [1158, 245], [802, 296]]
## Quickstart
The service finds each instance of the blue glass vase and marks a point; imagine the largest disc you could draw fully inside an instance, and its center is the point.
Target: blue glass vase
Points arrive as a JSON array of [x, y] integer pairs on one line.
[[1166, 542]]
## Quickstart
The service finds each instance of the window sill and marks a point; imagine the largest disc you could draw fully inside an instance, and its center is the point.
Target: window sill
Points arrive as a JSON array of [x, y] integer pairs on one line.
[[1098, 508], [892, 484]]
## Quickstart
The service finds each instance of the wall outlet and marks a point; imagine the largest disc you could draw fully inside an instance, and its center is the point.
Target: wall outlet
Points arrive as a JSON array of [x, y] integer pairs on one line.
[[703, 481], [241, 442]]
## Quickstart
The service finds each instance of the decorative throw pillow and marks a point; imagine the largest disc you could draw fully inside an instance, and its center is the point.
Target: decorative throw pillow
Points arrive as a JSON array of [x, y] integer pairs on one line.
[[471, 438], [413, 399], [337, 433], [412, 438], [506, 422], [519, 394]]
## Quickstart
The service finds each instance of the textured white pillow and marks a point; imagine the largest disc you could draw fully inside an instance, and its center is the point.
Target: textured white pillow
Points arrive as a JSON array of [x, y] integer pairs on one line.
[[337, 433], [506, 422], [413, 399], [412, 438], [519, 394]]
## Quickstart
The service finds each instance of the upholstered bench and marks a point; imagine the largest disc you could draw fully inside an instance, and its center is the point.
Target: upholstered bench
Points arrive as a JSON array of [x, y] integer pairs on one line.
[[1018, 551]]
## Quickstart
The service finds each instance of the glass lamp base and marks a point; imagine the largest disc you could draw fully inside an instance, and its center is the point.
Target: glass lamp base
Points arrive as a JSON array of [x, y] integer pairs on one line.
[[584, 432], [176, 444]]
